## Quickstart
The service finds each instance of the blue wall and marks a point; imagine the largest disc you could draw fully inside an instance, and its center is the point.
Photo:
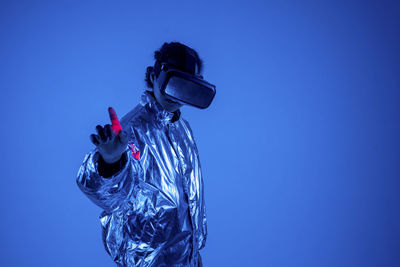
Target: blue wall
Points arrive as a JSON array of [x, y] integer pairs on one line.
[[300, 149]]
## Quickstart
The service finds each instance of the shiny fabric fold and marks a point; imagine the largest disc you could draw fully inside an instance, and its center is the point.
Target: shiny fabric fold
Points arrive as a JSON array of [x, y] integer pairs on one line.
[[153, 208]]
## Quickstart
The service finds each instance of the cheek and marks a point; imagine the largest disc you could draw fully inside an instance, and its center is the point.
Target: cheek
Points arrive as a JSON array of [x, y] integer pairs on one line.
[[158, 95]]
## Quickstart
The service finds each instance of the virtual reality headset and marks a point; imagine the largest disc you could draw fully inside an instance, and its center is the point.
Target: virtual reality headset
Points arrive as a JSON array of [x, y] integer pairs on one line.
[[185, 88]]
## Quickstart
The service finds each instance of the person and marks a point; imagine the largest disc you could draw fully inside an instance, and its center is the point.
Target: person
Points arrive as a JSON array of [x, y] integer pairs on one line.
[[145, 174]]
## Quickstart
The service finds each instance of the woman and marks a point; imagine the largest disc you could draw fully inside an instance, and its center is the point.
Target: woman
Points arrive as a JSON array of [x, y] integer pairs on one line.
[[146, 176]]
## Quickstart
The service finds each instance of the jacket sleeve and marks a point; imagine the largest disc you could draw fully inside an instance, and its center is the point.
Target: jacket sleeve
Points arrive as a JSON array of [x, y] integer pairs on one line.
[[107, 193], [203, 224], [198, 173]]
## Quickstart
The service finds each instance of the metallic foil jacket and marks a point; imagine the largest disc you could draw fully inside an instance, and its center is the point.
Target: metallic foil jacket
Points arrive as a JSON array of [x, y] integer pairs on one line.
[[153, 209]]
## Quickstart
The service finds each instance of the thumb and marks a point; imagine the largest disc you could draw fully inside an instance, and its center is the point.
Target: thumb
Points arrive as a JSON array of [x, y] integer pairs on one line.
[[123, 137]]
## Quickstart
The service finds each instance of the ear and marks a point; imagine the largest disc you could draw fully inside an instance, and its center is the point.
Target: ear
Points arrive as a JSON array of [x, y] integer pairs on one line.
[[152, 77]]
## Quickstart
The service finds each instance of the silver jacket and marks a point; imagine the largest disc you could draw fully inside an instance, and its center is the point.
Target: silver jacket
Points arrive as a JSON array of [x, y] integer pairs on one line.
[[153, 209]]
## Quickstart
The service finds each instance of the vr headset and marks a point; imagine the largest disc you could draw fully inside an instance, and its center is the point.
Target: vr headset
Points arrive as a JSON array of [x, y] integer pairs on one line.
[[184, 87]]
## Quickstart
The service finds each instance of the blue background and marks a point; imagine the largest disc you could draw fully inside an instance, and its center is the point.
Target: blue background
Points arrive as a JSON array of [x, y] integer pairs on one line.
[[300, 149]]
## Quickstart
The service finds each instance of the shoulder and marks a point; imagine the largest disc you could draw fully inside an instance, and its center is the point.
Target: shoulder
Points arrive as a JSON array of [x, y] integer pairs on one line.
[[133, 117], [138, 119], [186, 126], [128, 117]]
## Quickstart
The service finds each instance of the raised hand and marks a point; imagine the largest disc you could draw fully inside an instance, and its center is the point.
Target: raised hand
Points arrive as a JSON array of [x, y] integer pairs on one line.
[[110, 140]]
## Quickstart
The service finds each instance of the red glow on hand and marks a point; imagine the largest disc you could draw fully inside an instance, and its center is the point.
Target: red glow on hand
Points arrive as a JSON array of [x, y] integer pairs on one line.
[[115, 125]]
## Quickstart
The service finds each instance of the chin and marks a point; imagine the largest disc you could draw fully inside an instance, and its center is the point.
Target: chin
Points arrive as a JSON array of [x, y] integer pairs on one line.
[[172, 109]]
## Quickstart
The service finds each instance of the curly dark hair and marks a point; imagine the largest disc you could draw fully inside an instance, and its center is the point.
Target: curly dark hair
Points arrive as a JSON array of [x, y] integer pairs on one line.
[[174, 50]]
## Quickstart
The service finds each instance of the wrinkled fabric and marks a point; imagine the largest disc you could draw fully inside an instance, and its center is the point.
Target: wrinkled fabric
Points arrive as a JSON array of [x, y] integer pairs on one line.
[[153, 209]]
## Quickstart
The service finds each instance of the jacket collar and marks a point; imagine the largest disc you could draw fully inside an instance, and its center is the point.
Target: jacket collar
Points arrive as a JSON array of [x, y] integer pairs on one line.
[[161, 115]]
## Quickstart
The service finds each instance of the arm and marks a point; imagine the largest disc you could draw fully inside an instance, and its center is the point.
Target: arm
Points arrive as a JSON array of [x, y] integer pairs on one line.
[[106, 192], [198, 173], [106, 173], [203, 221]]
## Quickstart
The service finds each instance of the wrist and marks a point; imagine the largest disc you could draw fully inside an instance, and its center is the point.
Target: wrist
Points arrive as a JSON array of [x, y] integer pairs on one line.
[[107, 170], [111, 160]]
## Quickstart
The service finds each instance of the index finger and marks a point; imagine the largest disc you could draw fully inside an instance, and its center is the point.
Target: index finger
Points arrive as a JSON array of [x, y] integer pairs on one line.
[[115, 125]]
